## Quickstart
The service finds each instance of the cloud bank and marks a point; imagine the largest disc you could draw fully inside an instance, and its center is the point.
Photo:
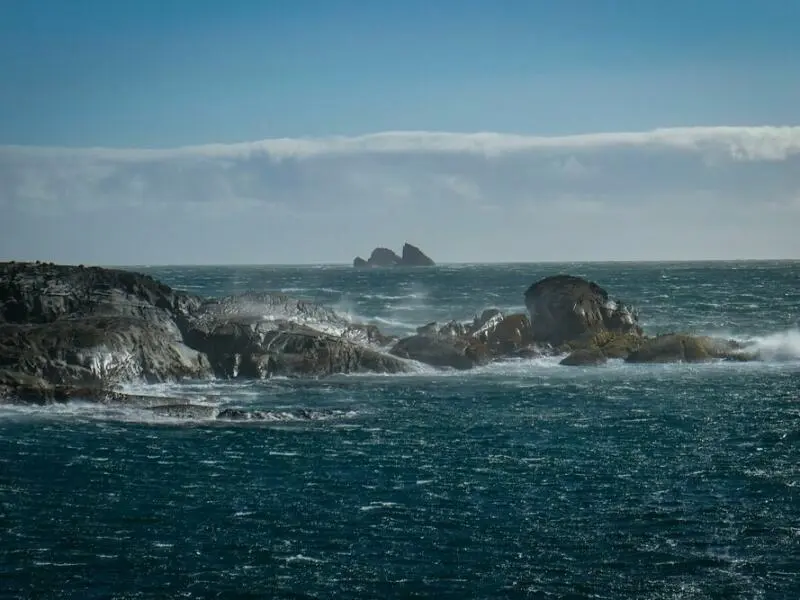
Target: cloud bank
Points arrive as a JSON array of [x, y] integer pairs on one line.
[[681, 193]]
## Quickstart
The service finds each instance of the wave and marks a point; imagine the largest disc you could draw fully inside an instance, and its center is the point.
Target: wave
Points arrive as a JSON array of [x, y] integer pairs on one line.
[[783, 346]]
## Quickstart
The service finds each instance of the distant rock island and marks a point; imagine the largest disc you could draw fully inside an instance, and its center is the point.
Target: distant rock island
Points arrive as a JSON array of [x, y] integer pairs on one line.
[[384, 257]]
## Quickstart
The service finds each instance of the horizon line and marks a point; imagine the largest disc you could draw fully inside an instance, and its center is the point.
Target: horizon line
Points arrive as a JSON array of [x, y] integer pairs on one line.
[[439, 264]]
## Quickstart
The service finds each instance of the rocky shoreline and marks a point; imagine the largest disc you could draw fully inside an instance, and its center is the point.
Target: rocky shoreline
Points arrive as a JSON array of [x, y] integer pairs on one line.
[[74, 332]]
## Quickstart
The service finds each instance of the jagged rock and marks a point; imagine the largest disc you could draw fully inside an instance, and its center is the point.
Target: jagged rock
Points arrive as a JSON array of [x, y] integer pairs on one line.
[[565, 308], [414, 257], [460, 346], [687, 348], [92, 327], [385, 257], [249, 346], [44, 292], [94, 350]]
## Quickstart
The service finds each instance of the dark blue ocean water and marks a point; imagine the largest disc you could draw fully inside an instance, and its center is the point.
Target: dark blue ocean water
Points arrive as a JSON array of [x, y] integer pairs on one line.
[[519, 480]]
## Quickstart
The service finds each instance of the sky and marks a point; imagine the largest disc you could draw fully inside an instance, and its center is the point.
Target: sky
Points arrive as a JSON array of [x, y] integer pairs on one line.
[[262, 131]]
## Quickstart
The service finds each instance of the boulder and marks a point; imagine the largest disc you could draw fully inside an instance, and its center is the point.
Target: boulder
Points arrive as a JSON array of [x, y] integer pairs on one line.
[[442, 351], [359, 262], [414, 257], [564, 308], [687, 348]]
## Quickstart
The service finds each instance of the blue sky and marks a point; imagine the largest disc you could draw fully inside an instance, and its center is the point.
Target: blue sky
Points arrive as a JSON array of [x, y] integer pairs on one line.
[[162, 73], [301, 131]]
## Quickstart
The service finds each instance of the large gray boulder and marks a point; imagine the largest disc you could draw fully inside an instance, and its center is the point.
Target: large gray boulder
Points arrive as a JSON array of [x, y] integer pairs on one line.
[[565, 308]]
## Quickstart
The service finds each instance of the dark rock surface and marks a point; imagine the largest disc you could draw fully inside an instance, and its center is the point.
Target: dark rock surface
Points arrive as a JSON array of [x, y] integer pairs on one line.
[[587, 357], [564, 308], [85, 328], [385, 257], [44, 292], [75, 332], [246, 346], [463, 346], [91, 350], [414, 257]]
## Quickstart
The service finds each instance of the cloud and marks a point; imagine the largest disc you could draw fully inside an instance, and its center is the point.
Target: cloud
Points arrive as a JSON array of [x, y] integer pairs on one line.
[[665, 193]]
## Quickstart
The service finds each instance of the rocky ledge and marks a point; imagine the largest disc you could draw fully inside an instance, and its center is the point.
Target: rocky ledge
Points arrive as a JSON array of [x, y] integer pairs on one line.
[[75, 332], [384, 257]]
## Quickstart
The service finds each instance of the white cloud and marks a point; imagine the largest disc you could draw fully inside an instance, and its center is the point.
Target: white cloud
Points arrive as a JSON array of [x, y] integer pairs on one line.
[[481, 196]]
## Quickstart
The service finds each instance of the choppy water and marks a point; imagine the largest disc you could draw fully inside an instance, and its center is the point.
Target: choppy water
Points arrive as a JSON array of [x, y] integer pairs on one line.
[[518, 480]]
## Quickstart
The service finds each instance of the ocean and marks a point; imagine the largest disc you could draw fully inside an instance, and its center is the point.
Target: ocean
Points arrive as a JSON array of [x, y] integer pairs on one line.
[[522, 479]]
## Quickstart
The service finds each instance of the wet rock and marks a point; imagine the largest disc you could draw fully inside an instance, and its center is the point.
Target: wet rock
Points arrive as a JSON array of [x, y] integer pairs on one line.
[[565, 308], [253, 347], [687, 348], [94, 350], [582, 358], [442, 351]]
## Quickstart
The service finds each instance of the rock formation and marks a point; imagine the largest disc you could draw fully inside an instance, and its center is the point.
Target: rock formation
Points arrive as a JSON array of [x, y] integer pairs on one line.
[[565, 308], [73, 332], [463, 346], [384, 257], [65, 330]]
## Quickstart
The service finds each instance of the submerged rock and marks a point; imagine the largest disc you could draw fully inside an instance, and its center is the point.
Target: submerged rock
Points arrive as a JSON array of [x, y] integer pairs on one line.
[[587, 357], [564, 308]]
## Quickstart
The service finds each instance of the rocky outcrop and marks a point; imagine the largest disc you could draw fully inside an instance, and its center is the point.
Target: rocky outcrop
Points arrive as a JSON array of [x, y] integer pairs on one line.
[[414, 257], [95, 350], [457, 345], [75, 332], [384, 257], [564, 308], [687, 348], [83, 328], [252, 347], [45, 292]]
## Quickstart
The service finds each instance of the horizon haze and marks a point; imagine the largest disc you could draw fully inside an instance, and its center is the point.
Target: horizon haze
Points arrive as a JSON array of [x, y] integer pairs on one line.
[[264, 133]]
